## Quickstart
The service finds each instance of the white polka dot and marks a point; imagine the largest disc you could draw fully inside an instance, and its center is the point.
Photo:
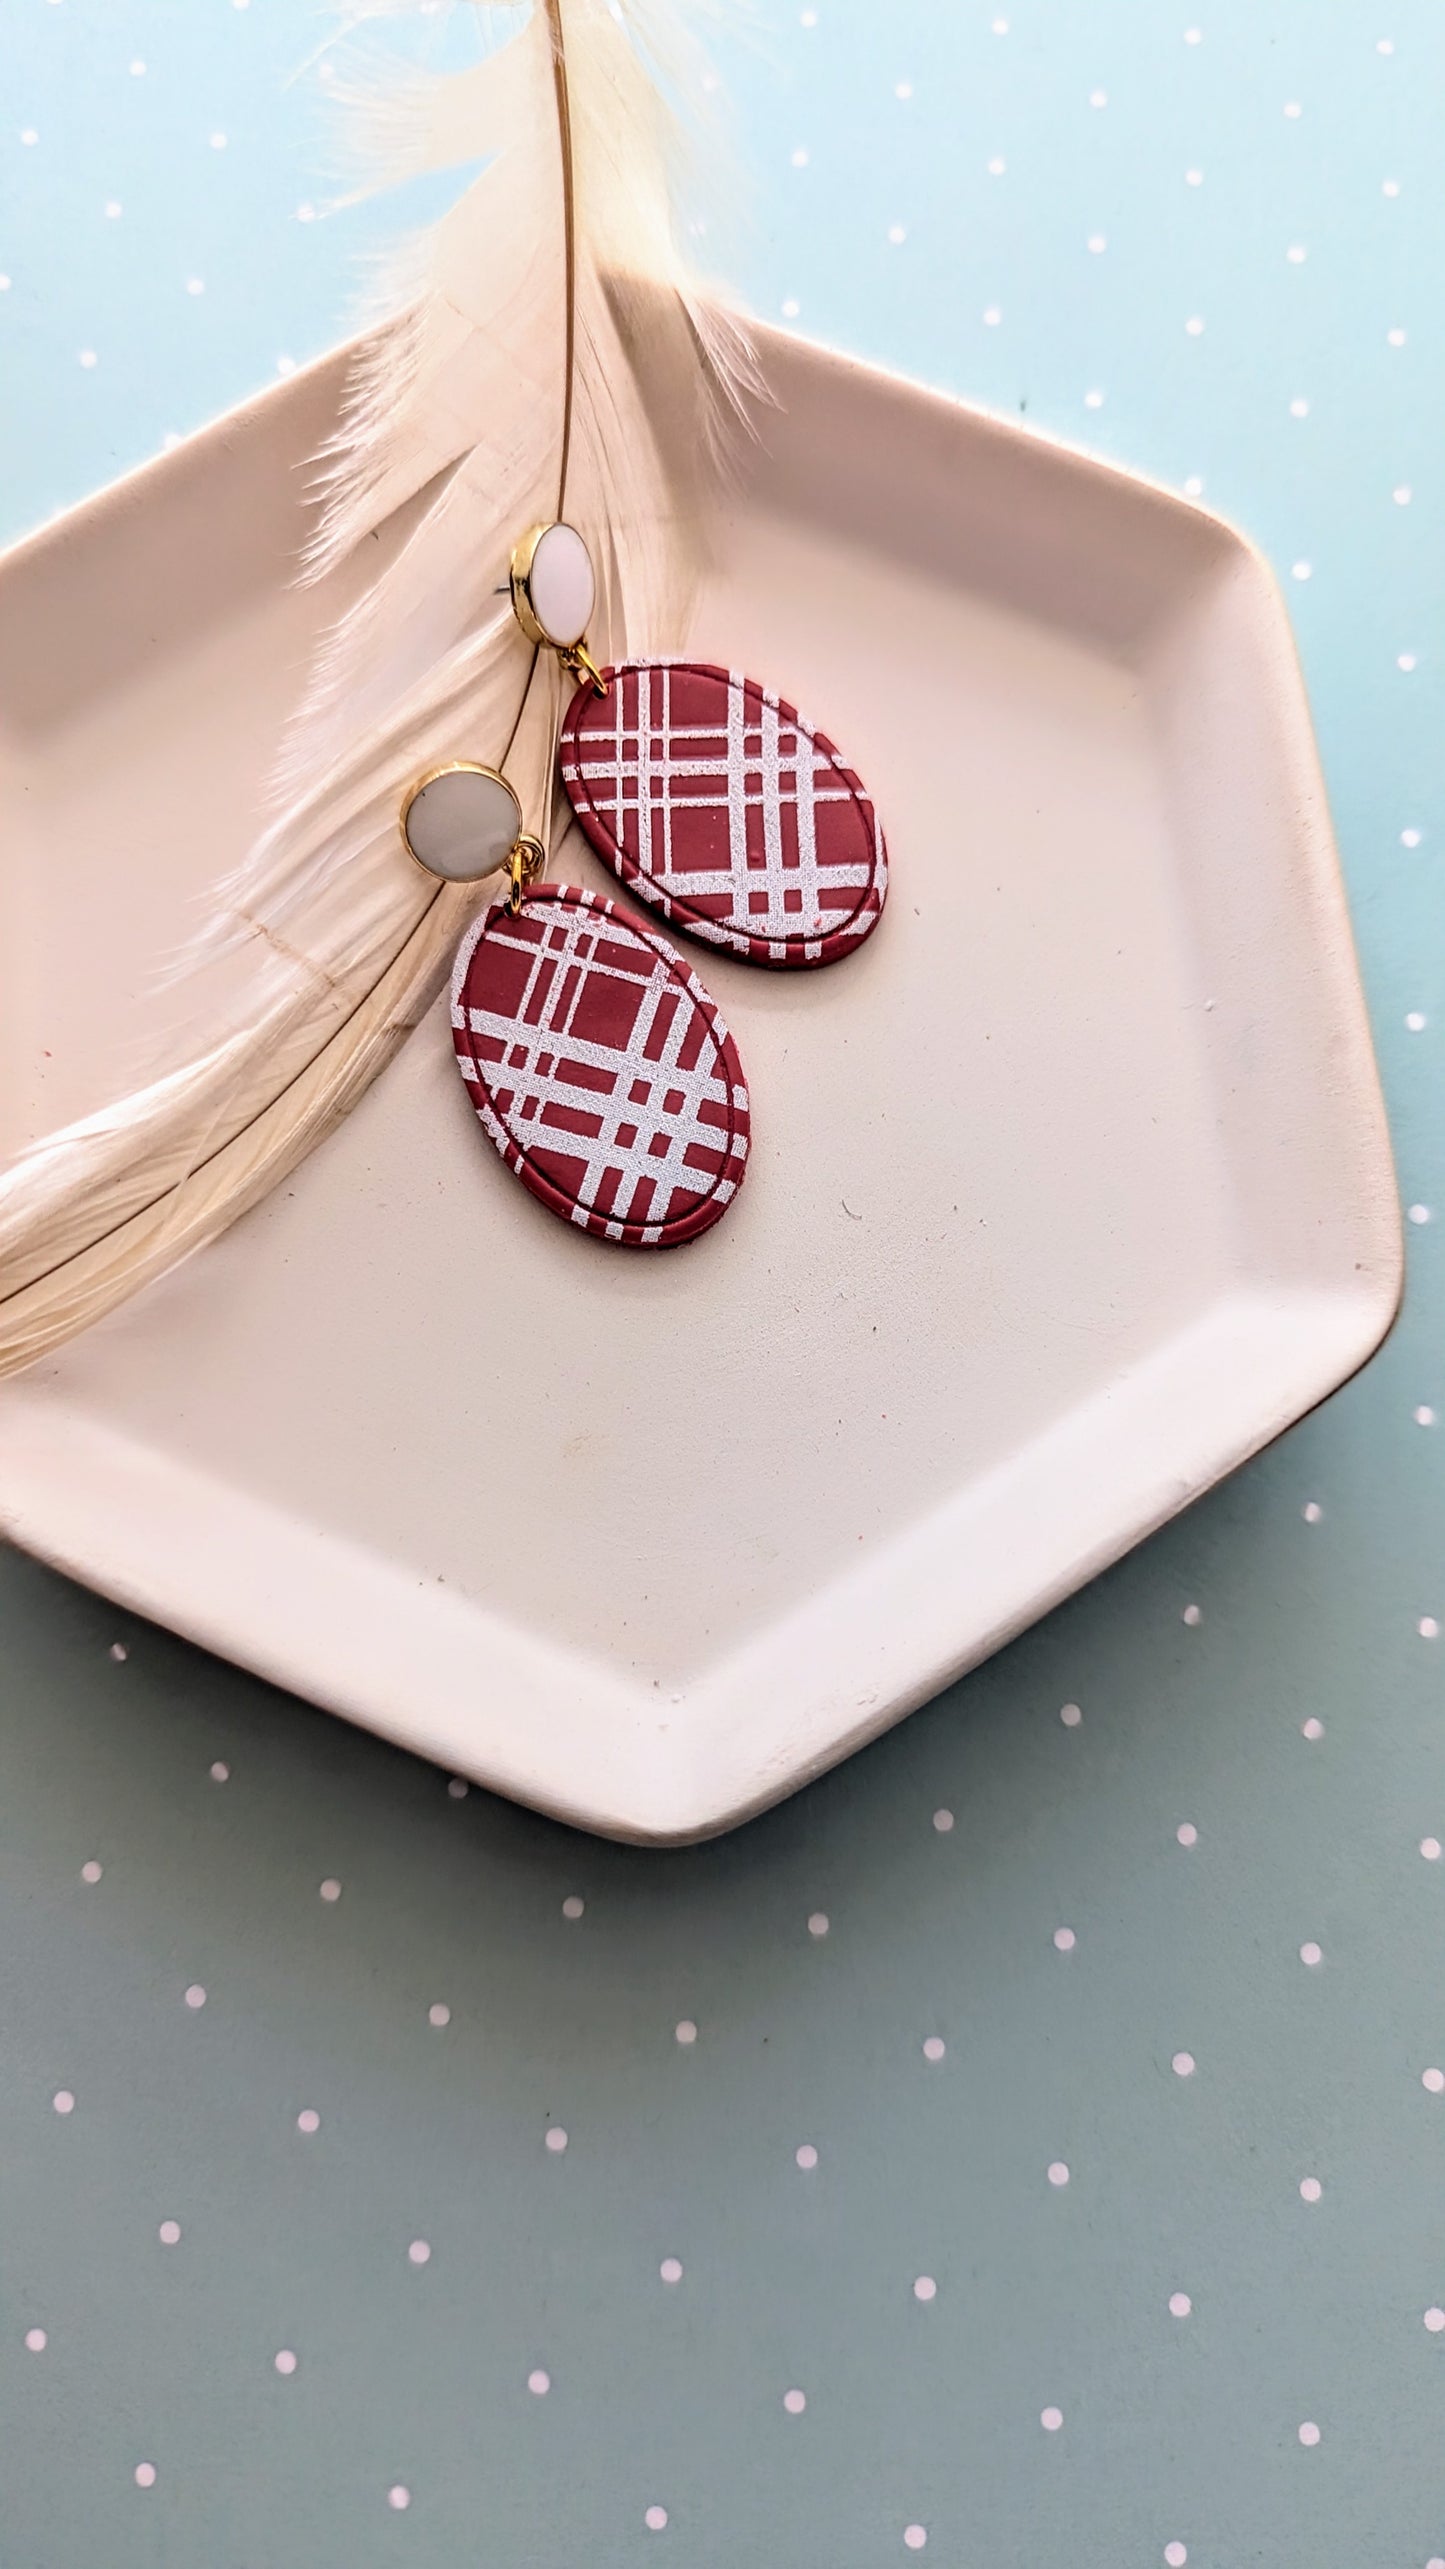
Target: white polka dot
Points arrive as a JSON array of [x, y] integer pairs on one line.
[[1292, 107], [992, 316], [1194, 489], [1302, 570], [1419, 1214], [1187, 1834], [145, 2475], [1180, 2305], [1428, 1628], [1312, 1512], [91, 1871], [439, 2014], [933, 2048], [539, 2383], [1194, 35], [1407, 661], [1192, 1615], [572, 1907], [556, 2138], [1416, 1021], [1058, 2172], [305, 213], [1098, 243], [790, 307], [805, 2155], [168, 2233], [1411, 837], [914, 2536], [457, 1785], [1175, 2555], [800, 158], [1435, 2320], [88, 358], [195, 1995], [1396, 338], [818, 1923], [137, 70], [943, 1822], [1434, 2079], [1310, 2189], [795, 2402], [1385, 45], [63, 2101], [1098, 98], [808, 18], [1195, 325], [331, 1888], [655, 2519], [686, 2031], [997, 166], [36, 2340], [1310, 1954], [1424, 1416], [308, 2120], [1309, 2433], [903, 89], [1296, 254], [897, 234], [220, 1772], [1070, 1716], [1313, 1728], [671, 2270], [1094, 399], [28, 134], [1299, 408], [1389, 187], [1065, 1939], [1051, 2419], [1183, 2064], [1194, 178], [419, 2252], [284, 2360], [118, 1650], [398, 2497], [924, 2288], [218, 142], [4, 285], [1430, 1849], [195, 285]]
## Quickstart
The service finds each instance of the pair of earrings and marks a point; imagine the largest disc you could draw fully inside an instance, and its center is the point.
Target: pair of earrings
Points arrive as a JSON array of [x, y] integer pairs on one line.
[[598, 1063]]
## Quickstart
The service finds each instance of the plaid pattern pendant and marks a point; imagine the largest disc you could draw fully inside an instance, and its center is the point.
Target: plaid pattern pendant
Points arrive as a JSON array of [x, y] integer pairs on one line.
[[712, 799], [600, 1067]]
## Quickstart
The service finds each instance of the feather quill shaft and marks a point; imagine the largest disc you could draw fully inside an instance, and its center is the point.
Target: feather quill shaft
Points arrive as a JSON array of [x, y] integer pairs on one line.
[[511, 383]]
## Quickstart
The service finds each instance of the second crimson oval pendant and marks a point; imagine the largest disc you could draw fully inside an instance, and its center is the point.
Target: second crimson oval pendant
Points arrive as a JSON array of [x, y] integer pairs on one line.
[[715, 801], [600, 1067]]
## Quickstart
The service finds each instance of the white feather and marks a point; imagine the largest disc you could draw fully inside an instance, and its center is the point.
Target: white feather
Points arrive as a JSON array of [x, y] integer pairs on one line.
[[461, 403]]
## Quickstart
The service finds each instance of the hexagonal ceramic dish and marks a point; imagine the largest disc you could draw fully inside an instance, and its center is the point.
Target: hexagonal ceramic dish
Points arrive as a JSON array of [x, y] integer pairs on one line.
[[1071, 1188]]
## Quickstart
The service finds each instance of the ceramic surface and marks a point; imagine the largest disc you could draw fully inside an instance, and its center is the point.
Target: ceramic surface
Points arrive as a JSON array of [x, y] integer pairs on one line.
[[1067, 1191]]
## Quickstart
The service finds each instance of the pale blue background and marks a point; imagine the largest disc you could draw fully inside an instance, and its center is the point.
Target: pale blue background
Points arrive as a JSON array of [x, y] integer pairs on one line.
[[1298, 1725]]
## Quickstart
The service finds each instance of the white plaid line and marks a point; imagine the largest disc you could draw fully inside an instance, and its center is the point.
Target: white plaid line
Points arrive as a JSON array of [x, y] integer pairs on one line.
[[737, 776]]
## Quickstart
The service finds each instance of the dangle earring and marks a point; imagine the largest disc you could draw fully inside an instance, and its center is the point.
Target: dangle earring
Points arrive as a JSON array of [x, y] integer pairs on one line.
[[709, 796], [597, 1062]]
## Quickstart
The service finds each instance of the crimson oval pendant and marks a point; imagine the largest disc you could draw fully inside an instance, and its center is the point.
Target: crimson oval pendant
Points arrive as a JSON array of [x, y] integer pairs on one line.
[[600, 1067], [713, 800]]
